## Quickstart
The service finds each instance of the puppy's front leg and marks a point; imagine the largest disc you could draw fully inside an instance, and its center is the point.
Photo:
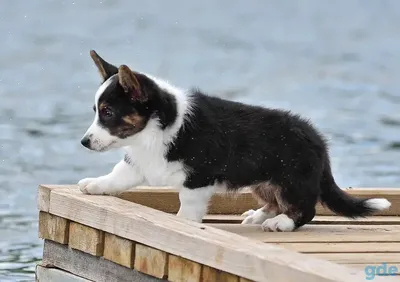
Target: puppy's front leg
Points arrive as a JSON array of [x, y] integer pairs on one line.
[[121, 178], [194, 202]]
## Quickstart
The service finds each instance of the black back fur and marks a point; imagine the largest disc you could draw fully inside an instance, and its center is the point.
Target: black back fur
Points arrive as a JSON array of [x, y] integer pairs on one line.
[[242, 145]]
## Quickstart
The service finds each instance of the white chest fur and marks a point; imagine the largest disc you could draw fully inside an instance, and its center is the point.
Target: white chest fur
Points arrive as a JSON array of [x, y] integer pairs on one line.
[[147, 152], [148, 148]]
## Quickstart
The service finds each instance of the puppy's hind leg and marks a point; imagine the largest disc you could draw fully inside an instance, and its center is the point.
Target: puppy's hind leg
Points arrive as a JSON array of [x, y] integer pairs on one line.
[[288, 221], [264, 192], [297, 208], [194, 202]]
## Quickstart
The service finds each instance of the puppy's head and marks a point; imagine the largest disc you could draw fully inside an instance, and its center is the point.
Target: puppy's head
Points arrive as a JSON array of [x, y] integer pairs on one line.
[[122, 106]]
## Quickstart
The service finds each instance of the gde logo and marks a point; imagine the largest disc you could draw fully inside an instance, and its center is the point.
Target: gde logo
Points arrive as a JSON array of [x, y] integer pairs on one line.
[[382, 270]]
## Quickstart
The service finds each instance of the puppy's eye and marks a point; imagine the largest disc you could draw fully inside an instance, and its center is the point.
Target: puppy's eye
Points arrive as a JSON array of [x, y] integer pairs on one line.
[[106, 113]]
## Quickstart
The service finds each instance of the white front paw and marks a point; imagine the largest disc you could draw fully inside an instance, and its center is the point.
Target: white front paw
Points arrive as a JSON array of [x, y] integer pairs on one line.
[[95, 186], [279, 223], [83, 183]]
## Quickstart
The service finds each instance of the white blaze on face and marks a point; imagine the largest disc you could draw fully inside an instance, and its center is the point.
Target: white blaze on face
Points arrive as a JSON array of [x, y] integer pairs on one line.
[[100, 138]]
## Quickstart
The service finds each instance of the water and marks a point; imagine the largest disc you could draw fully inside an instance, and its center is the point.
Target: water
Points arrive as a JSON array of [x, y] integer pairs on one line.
[[336, 62]]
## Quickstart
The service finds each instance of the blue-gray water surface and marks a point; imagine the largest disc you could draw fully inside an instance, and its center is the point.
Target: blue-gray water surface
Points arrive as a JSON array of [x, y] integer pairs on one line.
[[336, 62]]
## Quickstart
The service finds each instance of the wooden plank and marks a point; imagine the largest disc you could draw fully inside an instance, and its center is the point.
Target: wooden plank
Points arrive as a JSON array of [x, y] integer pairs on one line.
[[318, 233], [90, 267], [53, 228], [43, 198], [46, 274], [151, 261], [86, 239], [340, 247], [320, 219], [379, 220], [241, 279], [194, 241], [167, 200], [212, 274], [119, 250], [43, 195], [320, 228], [183, 270], [370, 258]]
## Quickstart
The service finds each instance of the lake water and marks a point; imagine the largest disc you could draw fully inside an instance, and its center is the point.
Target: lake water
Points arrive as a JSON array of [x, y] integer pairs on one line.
[[337, 62]]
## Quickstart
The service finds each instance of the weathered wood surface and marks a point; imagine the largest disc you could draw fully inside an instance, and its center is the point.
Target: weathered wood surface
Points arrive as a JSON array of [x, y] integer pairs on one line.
[[88, 266], [343, 247], [48, 274], [151, 261], [319, 219], [319, 233], [54, 228], [145, 259], [183, 270], [43, 195], [212, 274], [119, 250], [167, 199], [216, 248], [86, 239]]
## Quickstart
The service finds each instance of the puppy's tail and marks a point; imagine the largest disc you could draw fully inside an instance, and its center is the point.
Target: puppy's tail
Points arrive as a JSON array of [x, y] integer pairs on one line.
[[344, 204]]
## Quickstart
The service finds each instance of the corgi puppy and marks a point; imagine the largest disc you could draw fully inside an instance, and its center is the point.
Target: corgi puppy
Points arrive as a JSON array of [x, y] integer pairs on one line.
[[201, 144]]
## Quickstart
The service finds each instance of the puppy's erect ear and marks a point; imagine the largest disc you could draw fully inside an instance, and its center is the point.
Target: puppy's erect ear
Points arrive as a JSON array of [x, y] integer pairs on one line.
[[106, 70], [130, 84]]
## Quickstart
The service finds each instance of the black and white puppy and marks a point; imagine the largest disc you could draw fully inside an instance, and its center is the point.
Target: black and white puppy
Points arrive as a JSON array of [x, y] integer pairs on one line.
[[202, 144]]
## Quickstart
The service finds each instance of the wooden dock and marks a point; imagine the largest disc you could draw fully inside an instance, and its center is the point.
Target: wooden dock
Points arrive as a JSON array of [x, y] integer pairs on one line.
[[137, 237]]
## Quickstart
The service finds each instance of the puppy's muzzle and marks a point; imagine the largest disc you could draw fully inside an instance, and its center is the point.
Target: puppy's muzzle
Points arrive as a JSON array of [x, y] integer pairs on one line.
[[86, 142]]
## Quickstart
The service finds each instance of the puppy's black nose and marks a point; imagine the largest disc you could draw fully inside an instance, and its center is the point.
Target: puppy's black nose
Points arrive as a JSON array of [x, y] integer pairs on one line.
[[85, 142]]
